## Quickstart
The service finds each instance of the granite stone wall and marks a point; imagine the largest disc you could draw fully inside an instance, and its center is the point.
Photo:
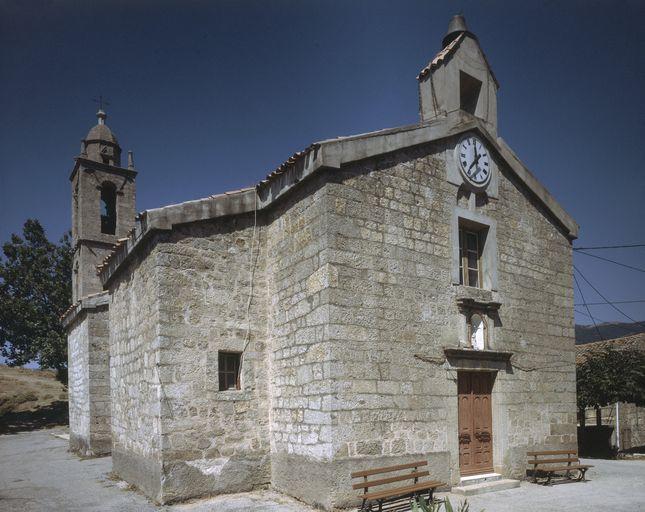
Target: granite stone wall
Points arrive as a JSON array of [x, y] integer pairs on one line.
[[88, 383], [78, 375], [86, 225], [386, 264], [212, 298], [134, 373], [299, 281]]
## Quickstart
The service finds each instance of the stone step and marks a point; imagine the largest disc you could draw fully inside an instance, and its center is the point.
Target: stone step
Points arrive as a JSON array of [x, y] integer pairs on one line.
[[479, 479], [481, 488]]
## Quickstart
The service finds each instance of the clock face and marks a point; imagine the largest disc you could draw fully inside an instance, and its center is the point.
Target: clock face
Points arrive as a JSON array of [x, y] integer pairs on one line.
[[474, 160]]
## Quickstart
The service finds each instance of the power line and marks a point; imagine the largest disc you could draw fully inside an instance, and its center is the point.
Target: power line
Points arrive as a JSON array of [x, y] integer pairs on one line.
[[612, 261], [585, 303], [607, 247], [601, 295], [613, 302]]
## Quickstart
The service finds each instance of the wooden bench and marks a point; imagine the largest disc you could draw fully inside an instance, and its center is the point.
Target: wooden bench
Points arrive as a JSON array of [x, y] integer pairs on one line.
[[372, 497], [552, 461]]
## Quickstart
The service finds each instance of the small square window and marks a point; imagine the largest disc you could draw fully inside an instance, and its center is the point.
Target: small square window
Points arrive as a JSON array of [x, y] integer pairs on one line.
[[229, 370]]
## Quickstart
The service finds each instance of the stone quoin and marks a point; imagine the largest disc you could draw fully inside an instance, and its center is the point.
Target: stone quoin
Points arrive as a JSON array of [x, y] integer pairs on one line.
[[378, 299]]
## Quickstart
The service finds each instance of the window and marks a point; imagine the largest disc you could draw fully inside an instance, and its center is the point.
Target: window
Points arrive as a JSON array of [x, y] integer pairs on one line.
[[477, 332], [474, 249], [469, 257], [108, 208], [469, 88], [229, 370]]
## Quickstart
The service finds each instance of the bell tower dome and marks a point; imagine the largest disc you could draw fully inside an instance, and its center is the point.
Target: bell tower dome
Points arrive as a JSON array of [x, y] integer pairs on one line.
[[103, 204], [101, 144]]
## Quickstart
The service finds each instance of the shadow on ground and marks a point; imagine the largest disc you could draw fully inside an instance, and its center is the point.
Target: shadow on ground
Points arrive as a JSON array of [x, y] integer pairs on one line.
[[52, 415]]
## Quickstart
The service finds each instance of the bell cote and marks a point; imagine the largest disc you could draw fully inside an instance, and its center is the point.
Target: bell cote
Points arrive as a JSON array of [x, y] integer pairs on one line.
[[459, 79]]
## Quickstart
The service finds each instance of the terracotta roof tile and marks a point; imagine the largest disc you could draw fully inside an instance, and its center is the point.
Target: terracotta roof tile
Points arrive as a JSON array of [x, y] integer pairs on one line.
[[447, 52], [441, 56], [633, 342]]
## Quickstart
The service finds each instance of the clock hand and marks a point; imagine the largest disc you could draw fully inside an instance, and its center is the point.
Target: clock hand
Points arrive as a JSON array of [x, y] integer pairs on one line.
[[477, 157]]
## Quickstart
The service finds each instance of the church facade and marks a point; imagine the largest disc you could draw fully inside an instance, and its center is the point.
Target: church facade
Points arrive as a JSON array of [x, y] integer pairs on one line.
[[377, 299]]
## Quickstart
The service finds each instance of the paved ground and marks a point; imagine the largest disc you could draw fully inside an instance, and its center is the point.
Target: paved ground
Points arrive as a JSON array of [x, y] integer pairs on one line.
[[38, 474]]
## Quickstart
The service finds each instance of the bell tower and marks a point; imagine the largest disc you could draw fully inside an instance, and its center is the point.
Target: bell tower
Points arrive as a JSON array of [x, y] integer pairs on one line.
[[103, 210], [103, 204]]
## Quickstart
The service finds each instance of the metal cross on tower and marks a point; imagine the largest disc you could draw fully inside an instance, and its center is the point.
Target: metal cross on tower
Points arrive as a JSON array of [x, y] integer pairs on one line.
[[101, 101]]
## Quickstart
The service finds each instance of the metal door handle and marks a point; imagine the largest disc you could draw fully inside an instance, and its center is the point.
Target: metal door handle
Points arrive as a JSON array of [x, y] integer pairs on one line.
[[484, 436]]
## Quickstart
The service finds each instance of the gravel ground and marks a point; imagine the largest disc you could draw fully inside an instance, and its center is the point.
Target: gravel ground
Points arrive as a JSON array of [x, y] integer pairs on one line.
[[38, 474]]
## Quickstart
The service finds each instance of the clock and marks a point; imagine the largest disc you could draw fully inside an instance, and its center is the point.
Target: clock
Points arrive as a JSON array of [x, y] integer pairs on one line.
[[474, 161]]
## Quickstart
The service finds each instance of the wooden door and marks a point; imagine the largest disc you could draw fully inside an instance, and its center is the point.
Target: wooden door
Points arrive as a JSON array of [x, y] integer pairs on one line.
[[475, 422]]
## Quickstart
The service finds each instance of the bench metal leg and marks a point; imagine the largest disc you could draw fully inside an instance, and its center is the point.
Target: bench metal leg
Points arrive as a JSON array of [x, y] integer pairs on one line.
[[582, 475], [380, 505]]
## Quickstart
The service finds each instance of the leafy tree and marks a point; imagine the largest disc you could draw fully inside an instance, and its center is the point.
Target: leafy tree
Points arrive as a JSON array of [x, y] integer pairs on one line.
[[35, 290], [611, 376]]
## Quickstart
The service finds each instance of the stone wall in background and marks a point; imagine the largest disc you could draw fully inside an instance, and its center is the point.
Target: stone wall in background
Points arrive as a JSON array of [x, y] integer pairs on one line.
[[631, 422]]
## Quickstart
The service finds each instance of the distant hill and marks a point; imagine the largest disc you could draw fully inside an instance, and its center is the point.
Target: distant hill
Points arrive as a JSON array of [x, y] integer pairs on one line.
[[588, 333], [30, 399]]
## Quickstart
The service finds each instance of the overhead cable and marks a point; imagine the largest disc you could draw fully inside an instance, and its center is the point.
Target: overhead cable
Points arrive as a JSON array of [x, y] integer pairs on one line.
[[602, 296], [585, 304], [608, 247], [612, 261]]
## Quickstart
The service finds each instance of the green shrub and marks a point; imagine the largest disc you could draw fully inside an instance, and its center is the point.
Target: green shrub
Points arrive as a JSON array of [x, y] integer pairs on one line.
[[422, 505]]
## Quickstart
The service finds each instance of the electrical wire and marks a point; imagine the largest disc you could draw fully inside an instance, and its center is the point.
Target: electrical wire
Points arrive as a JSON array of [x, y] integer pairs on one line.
[[585, 304], [612, 261], [608, 247], [602, 296], [613, 302]]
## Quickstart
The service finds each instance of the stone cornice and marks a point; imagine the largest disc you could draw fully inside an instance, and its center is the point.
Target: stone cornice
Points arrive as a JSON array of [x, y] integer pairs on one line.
[[327, 154], [90, 302], [80, 162]]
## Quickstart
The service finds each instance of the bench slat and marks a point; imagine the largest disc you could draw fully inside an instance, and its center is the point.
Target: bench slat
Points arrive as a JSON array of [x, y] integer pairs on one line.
[[401, 491], [383, 481], [564, 468], [388, 469], [553, 452], [552, 461]]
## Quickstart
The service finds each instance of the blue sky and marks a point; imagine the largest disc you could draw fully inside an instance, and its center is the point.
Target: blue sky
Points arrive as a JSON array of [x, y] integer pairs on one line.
[[213, 95]]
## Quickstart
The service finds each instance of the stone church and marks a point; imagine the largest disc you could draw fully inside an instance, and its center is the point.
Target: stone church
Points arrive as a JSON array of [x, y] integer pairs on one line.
[[377, 299]]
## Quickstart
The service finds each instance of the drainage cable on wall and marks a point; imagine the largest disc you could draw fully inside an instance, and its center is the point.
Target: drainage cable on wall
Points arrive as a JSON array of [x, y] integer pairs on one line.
[[247, 337]]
